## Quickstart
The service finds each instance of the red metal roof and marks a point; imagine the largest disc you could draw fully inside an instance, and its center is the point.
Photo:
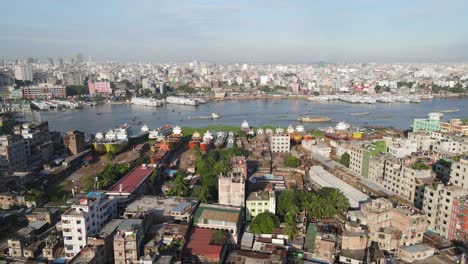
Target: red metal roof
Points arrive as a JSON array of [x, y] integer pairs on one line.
[[199, 244], [132, 180]]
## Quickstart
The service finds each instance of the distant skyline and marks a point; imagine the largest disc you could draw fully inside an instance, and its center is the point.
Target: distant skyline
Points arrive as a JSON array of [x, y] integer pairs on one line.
[[266, 31]]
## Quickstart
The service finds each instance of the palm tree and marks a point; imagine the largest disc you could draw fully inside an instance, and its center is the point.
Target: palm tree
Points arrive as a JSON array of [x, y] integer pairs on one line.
[[180, 186], [197, 151], [290, 229], [203, 193]]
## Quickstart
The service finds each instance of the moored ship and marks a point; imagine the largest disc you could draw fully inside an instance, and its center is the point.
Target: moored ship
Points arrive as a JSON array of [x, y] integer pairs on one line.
[[161, 132], [207, 141], [220, 140], [196, 139], [313, 119], [146, 101]]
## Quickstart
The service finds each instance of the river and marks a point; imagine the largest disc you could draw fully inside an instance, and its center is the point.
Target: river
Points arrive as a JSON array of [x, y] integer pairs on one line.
[[260, 112]]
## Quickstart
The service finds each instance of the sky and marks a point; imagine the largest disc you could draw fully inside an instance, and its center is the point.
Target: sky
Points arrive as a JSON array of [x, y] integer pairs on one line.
[[248, 31]]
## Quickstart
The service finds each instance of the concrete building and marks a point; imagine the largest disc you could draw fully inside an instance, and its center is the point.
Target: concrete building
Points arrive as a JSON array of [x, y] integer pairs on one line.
[[10, 200], [74, 140], [84, 218], [128, 241], [231, 189], [389, 226], [423, 140], [430, 124], [259, 202], [402, 147], [459, 172], [455, 126], [219, 217], [414, 253], [280, 143], [23, 73], [13, 155], [44, 91], [441, 204], [102, 88]]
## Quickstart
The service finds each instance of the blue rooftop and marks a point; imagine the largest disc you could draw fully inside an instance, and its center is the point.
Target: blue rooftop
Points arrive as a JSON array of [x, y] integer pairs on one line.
[[94, 194], [181, 207]]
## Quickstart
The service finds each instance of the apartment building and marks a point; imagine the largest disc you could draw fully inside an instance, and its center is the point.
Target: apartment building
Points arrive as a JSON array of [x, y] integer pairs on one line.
[[423, 140], [100, 88], [13, 155], [259, 202], [231, 189], [128, 241], [442, 204], [280, 143], [219, 217], [432, 123], [86, 217], [74, 140], [392, 227], [455, 126], [459, 172]]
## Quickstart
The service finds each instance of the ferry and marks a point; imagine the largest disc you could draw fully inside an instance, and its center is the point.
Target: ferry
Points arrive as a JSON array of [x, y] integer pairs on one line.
[[220, 140], [113, 141], [196, 139], [207, 141], [245, 126], [449, 111], [181, 101], [313, 119], [146, 101]]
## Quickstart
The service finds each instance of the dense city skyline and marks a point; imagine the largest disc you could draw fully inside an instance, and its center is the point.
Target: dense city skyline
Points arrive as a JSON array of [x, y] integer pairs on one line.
[[241, 31]]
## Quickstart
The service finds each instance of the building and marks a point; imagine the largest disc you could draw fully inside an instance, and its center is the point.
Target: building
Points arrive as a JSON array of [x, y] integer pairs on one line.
[[13, 155], [86, 218], [259, 202], [459, 172], [280, 143], [430, 124], [200, 249], [102, 88], [322, 178], [389, 226], [361, 154], [74, 141], [231, 189], [162, 209], [44, 91], [131, 186], [10, 200], [128, 241], [414, 253], [23, 73], [442, 206], [105, 239], [455, 126], [219, 217]]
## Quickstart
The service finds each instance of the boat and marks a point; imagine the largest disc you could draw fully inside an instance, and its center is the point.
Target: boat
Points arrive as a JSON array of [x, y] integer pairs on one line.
[[142, 136], [245, 126], [290, 129], [181, 101], [359, 114], [146, 101], [449, 111], [196, 139], [207, 141], [300, 128], [161, 132], [230, 140], [220, 140], [98, 145], [40, 105], [313, 119]]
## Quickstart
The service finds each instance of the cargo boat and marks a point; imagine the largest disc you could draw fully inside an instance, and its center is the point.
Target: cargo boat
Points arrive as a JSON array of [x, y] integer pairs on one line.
[[220, 140], [207, 141], [196, 139], [313, 119], [113, 141], [161, 132]]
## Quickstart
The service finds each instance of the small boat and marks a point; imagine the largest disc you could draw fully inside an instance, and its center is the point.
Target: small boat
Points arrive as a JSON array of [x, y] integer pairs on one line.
[[449, 111], [313, 119], [359, 114]]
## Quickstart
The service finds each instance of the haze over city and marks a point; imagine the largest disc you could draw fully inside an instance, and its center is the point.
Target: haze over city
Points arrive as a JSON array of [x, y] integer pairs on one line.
[[238, 31]]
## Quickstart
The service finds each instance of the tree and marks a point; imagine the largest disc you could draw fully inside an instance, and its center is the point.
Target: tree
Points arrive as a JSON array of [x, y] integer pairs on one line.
[[316, 93], [197, 152], [110, 155], [292, 162], [344, 160], [288, 201], [264, 223], [290, 229], [180, 186]]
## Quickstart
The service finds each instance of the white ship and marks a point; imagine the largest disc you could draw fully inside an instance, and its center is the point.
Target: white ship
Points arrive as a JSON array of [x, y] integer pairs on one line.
[[181, 100], [245, 126], [40, 105], [146, 101]]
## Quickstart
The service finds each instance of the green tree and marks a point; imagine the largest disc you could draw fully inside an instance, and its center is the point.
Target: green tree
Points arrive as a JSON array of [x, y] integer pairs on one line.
[[110, 155], [290, 229], [292, 162], [316, 93], [344, 160], [180, 186], [288, 201], [264, 223]]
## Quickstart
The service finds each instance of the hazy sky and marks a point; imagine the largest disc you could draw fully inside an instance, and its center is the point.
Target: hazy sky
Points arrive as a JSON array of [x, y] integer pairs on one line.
[[279, 31]]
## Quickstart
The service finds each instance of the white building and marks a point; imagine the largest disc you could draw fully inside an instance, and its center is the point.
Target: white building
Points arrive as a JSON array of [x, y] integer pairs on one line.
[[231, 190], [403, 147], [280, 143], [23, 73], [459, 173], [85, 218]]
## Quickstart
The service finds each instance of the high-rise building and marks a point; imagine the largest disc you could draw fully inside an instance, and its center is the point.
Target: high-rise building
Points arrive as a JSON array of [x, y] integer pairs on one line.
[[84, 218], [459, 173], [231, 189], [23, 73], [74, 140], [79, 58], [13, 154], [44, 91]]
